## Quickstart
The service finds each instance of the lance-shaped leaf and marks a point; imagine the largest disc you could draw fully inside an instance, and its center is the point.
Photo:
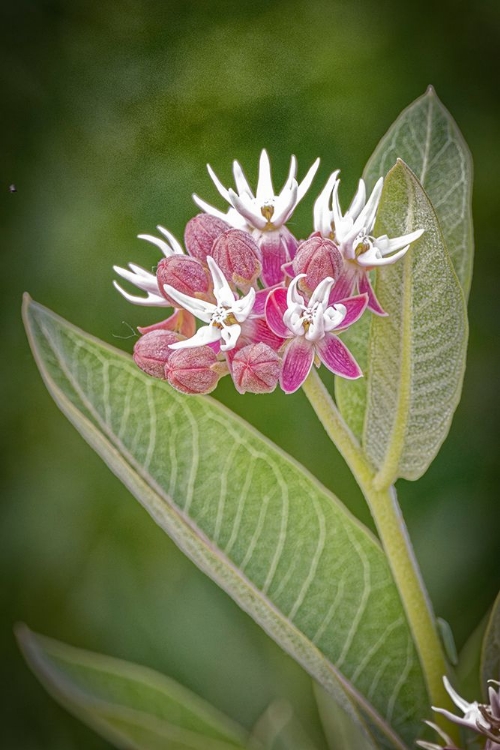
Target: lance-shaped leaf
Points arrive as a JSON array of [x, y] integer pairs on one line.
[[490, 652], [255, 521], [279, 729], [417, 353], [131, 706], [425, 137]]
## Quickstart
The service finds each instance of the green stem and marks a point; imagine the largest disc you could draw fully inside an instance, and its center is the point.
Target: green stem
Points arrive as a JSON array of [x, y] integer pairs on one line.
[[392, 531]]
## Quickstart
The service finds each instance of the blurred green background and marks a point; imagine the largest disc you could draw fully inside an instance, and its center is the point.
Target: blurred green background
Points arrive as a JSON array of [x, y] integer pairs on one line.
[[110, 113]]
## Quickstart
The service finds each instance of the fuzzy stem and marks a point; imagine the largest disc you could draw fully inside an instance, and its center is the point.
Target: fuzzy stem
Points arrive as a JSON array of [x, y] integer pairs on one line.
[[392, 531]]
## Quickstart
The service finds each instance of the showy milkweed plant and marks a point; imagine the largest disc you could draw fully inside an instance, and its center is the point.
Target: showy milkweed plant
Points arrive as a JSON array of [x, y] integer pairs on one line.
[[376, 294]]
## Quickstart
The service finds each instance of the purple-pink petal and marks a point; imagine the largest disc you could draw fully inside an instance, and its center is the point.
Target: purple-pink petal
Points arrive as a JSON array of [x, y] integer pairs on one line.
[[336, 356], [355, 307], [255, 330], [276, 307], [274, 254], [297, 363], [344, 284], [259, 306], [366, 288]]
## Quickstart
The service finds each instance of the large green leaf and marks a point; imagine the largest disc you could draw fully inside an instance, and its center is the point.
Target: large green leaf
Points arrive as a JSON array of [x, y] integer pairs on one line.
[[425, 137], [279, 543], [417, 353], [490, 652], [133, 707]]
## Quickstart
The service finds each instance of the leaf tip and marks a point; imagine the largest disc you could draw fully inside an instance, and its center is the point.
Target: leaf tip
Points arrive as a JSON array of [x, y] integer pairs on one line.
[[25, 639]]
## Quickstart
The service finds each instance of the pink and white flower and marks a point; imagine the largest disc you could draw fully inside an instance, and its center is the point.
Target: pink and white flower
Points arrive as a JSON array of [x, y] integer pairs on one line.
[[352, 233], [482, 718], [265, 213], [224, 319], [307, 327], [144, 280]]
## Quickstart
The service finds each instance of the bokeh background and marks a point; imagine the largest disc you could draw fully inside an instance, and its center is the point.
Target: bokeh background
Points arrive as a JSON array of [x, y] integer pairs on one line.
[[110, 112]]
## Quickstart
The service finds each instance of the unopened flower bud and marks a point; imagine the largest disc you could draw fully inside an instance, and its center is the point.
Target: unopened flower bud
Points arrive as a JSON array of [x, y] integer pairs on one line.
[[255, 368], [237, 255], [200, 234], [185, 274], [318, 258], [151, 351], [195, 370]]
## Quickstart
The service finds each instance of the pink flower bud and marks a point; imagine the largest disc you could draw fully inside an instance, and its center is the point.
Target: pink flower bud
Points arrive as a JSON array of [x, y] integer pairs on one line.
[[185, 274], [195, 370], [255, 368], [237, 255], [318, 258], [200, 234], [151, 351]]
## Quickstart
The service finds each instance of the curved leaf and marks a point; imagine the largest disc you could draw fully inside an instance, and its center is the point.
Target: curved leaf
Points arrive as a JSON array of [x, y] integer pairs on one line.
[[416, 354], [425, 137], [340, 731], [249, 516], [131, 706], [490, 653]]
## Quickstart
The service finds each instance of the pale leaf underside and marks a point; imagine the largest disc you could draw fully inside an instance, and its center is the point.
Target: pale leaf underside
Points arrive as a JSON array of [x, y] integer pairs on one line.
[[282, 546], [428, 140], [417, 353]]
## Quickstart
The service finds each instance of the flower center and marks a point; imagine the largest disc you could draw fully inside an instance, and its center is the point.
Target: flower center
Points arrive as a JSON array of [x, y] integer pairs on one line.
[[267, 211], [223, 317]]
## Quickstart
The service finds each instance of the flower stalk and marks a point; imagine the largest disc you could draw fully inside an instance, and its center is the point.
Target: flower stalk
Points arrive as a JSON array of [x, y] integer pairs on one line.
[[394, 537]]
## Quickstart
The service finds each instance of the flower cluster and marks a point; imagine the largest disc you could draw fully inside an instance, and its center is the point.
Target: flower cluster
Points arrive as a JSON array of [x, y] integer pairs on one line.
[[482, 718], [270, 306]]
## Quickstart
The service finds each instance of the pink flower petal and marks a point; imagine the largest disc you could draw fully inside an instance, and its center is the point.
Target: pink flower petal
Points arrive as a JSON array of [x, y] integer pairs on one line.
[[355, 307], [366, 288], [274, 254], [181, 320], [276, 307], [259, 305], [336, 356], [291, 243], [297, 363], [344, 284], [256, 329]]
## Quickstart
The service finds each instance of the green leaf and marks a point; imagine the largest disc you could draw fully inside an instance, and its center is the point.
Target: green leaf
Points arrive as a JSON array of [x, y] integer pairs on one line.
[[469, 659], [417, 353], [340, 731], [249, 516], [279, 729], [427, 139], [490, 654], [131, 706]]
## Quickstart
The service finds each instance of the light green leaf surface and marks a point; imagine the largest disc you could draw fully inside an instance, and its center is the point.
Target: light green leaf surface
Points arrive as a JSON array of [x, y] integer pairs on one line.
[[131, 706], [469, 660], [417, 353], [340, 731], [427, 139], [278, 729], [255, 521], [490, 653]]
